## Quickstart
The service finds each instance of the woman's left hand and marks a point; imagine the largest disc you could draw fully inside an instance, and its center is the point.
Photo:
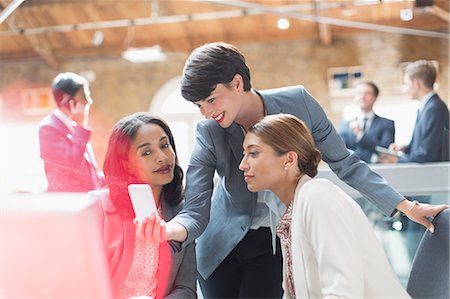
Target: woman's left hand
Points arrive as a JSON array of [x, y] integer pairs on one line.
[[421, 212], [152, 229]]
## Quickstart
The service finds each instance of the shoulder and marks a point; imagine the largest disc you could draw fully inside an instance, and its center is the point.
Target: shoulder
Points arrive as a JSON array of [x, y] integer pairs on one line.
[[317, 187], [286, 94], [280, 91], [51, 122], [319, 193], [383, 120], [437, 103], [209, 127]]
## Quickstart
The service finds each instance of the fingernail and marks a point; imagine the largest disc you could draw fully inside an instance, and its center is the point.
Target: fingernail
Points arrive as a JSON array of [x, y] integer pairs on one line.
[[432, 229]]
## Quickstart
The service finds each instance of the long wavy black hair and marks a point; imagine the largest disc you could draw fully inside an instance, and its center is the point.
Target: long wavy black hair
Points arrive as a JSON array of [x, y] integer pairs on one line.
[[118, 175]]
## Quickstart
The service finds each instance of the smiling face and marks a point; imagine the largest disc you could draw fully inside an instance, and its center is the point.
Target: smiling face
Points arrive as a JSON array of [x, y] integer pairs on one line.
[[263, 167], [223, 104], [365, 97], [152, 158]]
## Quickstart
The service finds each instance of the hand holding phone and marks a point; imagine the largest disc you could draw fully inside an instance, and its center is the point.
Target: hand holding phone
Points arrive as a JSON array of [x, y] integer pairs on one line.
[[142, 200]]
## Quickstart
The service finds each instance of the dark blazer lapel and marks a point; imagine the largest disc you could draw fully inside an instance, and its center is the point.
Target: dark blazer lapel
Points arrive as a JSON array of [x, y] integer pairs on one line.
[[270, 106], [374, 124], [236, 139], [166, 269]]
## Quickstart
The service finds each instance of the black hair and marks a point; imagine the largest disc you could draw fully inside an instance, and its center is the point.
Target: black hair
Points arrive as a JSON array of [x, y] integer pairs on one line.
[[117, 174], [209, 65], [67, 83]]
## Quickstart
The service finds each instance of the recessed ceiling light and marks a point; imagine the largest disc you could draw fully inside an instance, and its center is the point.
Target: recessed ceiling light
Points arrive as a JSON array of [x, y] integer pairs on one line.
[[283, 24], [139, 55]]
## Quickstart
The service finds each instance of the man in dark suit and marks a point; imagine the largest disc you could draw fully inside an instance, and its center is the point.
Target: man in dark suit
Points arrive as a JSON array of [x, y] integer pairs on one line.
[[429, 142], [367, 129], [430, 138], [64, 135]]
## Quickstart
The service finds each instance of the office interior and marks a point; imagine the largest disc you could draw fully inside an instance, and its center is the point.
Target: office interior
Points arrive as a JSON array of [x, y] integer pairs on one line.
[[327, 46]]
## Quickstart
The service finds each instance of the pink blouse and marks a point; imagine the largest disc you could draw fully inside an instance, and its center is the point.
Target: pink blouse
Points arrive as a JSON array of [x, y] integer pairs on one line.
[[142, 278], [284, 233]]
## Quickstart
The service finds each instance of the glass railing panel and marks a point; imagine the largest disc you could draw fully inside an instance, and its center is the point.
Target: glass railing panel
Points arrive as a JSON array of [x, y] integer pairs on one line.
[[428, 183]]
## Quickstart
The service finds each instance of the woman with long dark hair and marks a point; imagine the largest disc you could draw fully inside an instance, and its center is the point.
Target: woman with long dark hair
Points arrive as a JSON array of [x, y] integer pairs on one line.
[[141, 150]]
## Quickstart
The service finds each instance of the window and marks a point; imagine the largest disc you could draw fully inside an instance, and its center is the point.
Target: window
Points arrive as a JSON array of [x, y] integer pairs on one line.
[[342, 80], [37, 101], [181, 115]]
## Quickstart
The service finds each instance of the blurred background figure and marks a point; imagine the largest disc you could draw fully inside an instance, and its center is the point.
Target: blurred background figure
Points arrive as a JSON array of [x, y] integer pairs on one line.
[[429, 142], [430, 138], [367, 130], [64, 134]]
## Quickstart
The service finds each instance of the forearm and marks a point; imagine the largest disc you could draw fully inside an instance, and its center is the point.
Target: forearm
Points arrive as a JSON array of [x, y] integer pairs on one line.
[[176, 231]]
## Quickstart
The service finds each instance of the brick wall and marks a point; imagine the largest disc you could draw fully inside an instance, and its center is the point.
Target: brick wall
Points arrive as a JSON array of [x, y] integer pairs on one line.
[[121, 88]]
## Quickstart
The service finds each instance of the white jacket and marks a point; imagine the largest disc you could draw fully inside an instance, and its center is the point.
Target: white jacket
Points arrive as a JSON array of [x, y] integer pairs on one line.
[[335, 252]]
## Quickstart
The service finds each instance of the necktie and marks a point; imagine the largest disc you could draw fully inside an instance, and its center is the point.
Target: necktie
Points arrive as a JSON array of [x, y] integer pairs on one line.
[[364, 124]]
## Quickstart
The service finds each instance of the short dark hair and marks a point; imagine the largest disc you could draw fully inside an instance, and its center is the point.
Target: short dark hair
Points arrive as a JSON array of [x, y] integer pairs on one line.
[[119, 176], [374, 87], [67, 83], [424, 70], [209, 65]]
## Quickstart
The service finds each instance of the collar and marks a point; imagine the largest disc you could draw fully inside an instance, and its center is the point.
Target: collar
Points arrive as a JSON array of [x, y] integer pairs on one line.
[[369, 115], [270, 106], [67, 121], [423, 101]]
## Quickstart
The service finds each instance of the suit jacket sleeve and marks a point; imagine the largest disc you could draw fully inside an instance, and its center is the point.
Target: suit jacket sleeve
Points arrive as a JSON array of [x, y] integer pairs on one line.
[[199, 185], [346, 164], [347, 135], [328, 223], [185, 284], [56, 147]]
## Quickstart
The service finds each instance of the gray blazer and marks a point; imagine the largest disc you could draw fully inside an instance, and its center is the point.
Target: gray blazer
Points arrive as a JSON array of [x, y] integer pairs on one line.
[[231, 206]]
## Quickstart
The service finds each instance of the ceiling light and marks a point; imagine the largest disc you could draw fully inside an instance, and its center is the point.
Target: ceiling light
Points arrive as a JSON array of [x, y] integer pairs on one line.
[[140, 55], [406, 14], [97, 38], [283, 24]]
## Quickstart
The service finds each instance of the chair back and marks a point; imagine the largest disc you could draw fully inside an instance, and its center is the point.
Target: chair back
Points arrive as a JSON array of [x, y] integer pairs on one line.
[[429, 277]]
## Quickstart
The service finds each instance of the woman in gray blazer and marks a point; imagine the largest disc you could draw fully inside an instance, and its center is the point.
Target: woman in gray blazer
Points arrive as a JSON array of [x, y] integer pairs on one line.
[[235, 249]]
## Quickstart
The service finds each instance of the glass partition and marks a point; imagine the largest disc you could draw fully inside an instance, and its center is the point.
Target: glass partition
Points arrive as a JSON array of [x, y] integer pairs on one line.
[[427, 183]]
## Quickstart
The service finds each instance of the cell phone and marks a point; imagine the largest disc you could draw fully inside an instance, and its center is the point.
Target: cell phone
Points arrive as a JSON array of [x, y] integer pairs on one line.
[[142, 200], [66, 100], [386, 151]]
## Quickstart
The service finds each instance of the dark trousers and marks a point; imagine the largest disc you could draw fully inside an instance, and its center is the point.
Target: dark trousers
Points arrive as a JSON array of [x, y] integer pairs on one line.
[[249, 271]]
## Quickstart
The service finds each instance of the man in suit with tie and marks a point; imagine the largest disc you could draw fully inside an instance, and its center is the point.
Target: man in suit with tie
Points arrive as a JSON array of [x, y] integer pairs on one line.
[[367, 130], [64, 134], [430, 138], [429, 142]]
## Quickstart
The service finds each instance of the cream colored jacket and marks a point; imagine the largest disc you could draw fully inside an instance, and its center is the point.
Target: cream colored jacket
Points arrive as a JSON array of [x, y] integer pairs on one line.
[[335, 252]]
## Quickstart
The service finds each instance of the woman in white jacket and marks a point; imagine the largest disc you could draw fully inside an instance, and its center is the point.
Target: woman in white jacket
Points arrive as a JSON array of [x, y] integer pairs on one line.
[[329, 247]]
